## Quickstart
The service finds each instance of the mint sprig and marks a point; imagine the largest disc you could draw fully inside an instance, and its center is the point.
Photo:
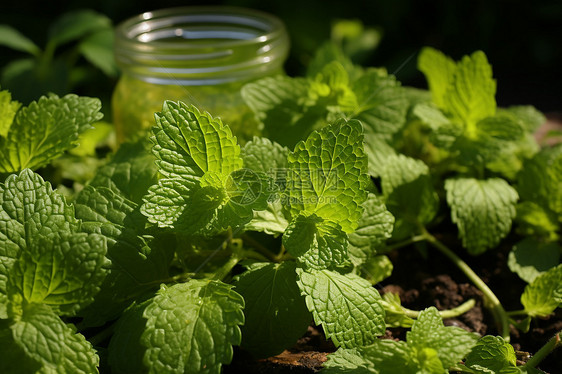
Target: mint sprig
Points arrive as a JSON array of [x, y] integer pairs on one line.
[[44, 130]]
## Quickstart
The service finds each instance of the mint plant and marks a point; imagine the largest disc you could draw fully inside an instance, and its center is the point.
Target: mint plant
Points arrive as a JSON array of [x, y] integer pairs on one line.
[[56, 67], [188, 243]]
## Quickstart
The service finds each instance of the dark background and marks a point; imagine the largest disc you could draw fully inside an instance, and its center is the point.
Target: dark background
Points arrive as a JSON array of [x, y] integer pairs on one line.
[[523, 41]]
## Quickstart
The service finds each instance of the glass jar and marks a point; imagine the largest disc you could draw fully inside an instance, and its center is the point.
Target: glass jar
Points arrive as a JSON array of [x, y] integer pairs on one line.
[[199, 55]]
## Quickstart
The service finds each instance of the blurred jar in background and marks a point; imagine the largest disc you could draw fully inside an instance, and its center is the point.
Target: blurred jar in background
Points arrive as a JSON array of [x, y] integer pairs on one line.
[[200, 55]]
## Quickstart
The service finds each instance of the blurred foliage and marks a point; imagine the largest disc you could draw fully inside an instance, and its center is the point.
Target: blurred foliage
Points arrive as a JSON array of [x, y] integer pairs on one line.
[[73, 38]]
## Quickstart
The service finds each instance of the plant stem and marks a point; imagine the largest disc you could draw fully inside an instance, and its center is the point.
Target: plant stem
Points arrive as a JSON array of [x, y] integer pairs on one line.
[[254, 255], [521, 312], [552, 344], [449, 313], [221, 273], [404, 243], [279, 257], [493, 304], [259, 247]]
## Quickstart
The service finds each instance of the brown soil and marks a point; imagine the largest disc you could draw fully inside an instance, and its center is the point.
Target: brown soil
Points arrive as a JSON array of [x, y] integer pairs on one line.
[[433, 281]]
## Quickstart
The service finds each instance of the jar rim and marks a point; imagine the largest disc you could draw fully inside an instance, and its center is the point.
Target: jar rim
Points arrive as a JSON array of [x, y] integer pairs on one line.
[[201, 44], [271, 25]]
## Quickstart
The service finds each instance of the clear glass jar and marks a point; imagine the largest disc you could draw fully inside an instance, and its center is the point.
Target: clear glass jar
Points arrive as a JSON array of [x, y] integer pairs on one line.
[[199, 55]]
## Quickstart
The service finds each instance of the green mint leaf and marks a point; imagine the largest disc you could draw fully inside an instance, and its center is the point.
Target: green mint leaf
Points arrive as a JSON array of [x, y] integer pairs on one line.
[[125, 349], [204, 189], [130, 172], [450, 343], [272, 220], [439, 70], [492, 355], [482, 210], [63, 270], [263, 155], [430, 348], [540, 178], [381, 104], [348, 361], [49, 343], [188, 143], [529, 117], [389, 356], [509, 160], [330, 89], [487, 141], [103, 211], [408, 192], [533, 219], [208, 209], [14, 39], [373, 229], [330, 52], [466, 123], [138, 261], [46, 129], [432, 115], [328, 174], [191, 327], [30, 209], [500, 127], [8, 110], [384, 356], [542, 296], [97, 48], [529, 258], [491, 139], [280, 104], [90, 139], [376, 269], [270, 159], [347, 306], [354, 37], [378, 151], [470, 96], [416, 96], [316, 243], [166, 202], [77, 24], [276, 315], [444, 133], [267, 94], [13, 359]]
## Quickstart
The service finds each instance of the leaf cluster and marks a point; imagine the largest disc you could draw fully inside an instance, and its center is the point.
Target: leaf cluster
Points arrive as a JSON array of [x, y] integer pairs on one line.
[[188, 243]]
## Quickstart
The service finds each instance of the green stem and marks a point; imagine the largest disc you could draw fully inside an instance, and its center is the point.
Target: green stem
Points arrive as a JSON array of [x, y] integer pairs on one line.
[[259, 247], [404, 243], [254, 255], [221, 273], [552, 344], [521, 312], [493, 304], [279, 257], [449, 313]]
